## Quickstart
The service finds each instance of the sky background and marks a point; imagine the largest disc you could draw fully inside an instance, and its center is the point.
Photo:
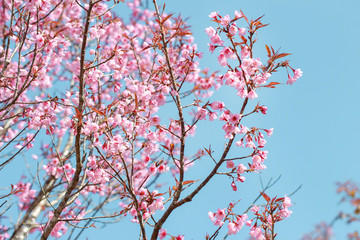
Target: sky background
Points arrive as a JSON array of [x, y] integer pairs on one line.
[[316, 120]]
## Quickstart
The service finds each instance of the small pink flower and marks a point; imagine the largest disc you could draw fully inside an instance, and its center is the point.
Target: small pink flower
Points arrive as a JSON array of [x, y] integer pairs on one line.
[[39, 39], [241, 169], [233, 29], [155, 120], [250, 144], [133, 212], [218, 222], [222, 60], [241, 220], [211, 48], [232, 228], [255, 208], [162, 168], [210, 31], [211, 216], [225, 20], [245, 51], [285, 213], [269, 131], [252, 95], [238, 14], [234, 118], [217, 105], [230, 164], [216, 40], [146, 216], [212, 116], [241, 178], [233, 185], [201, 113], [242, 31], [297, 74], [242, 93], [263, 109], [287, 202], [152, 169], [248, 222], [162, 233], [220, 214], [180, 237], [213, 14], [228, 53], [240, 143], [174, 93], [256, 233]]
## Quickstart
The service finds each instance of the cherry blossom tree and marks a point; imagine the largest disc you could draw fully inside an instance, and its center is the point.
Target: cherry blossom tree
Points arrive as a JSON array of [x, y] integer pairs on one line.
[[94, 87]]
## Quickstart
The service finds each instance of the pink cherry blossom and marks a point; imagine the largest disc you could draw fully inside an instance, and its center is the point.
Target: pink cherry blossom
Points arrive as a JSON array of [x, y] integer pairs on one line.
[[238, 14], [220, 214], [180, 237], [241, 168], [162, 233], [217, 105], [255, 208], [232, 228], [233, 29], [287, 202], [230, 164], [225, 20], [233, 185], [257, 233], [213, 14], [242, 32], [216, 40], [210, 31], [269, 131], [297, 74], [222, 60]]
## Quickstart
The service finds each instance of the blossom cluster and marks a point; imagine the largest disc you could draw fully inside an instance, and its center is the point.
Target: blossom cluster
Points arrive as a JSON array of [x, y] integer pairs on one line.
[[261, 225]]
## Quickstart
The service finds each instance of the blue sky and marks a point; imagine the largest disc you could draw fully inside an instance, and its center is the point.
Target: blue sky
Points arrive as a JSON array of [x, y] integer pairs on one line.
[[316, 120]]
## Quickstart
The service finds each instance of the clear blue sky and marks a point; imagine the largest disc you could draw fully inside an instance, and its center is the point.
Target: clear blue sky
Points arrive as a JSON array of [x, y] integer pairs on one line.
[[316, 120]]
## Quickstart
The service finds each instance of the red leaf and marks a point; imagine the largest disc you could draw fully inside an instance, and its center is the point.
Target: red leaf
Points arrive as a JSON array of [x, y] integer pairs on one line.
[[271, 85], [167, 17], [188, 182], [208, 151], [97, 111], [265, 196], [78, 115], [184, 33], [268, 50], [164, 146], [281, 55], [159, 194], [145, 48], [171, 147], [136, 101]]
